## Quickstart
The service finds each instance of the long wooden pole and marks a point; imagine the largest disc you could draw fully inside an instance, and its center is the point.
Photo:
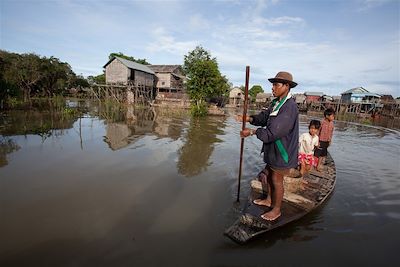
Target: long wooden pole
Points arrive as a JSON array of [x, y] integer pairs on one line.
[[246, 100]]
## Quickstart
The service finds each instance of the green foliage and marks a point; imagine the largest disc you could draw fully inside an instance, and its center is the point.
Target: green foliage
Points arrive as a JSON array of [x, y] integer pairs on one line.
[[204, 79], [121, 55], [79, 81], [199, 109], [69, 111], [8, 90], [23, 71], [254, 90], [56, 76], [30, 74], [228, 88], [100, 79], [13, 102]]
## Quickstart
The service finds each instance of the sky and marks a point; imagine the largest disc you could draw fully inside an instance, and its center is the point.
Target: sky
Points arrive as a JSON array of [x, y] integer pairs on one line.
[[329, 46]]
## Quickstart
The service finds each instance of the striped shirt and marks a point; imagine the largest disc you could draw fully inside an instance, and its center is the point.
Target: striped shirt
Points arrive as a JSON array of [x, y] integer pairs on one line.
[[326, 131]]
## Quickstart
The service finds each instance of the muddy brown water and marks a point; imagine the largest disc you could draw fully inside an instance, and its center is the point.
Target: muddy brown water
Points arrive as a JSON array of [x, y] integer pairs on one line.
[[110, 186]]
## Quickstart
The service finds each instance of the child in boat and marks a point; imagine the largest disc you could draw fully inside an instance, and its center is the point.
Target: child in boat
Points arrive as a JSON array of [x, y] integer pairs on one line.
[[325, 137], [308, 142]]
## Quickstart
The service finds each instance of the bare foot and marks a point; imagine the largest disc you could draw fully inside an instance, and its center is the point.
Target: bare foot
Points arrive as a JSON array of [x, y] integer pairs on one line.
[[271, 215], [262, 202]]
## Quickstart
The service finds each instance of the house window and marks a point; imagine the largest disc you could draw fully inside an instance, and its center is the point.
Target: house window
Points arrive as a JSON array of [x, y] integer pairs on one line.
[[162, 83]]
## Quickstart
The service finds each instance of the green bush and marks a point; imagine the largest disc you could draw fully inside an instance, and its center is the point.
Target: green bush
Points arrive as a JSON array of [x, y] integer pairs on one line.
[[199, 110]]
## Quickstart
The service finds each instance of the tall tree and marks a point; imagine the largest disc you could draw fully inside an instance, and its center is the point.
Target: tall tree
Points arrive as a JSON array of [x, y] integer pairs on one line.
[[31, 74], [203, 78], [8, 87], [254, 90], [56, 75], [24, 71], [121, 55]]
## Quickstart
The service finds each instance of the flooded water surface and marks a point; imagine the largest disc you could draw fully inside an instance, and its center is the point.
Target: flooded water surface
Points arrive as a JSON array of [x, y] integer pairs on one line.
[[99, 185]]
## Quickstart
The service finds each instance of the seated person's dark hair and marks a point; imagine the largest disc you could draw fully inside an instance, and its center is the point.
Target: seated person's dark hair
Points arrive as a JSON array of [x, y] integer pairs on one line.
[[328, 112], [315, 123]]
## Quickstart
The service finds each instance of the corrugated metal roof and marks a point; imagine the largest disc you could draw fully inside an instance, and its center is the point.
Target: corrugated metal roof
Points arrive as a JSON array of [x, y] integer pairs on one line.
[[357, 90], [263, 95], [178, 76], [164, 68], [132, 65], [365, 94], [314, 93]]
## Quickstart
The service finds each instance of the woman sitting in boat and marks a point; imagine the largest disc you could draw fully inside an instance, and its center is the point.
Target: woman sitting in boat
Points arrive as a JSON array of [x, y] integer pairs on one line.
[[308, 142], [279, 133]]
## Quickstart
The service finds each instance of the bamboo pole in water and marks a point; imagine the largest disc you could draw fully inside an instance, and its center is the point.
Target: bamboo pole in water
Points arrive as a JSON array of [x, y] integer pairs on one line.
[[246, 93]]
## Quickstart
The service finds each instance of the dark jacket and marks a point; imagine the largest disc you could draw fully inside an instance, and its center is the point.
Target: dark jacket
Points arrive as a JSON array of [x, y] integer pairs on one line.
[[283, 126]]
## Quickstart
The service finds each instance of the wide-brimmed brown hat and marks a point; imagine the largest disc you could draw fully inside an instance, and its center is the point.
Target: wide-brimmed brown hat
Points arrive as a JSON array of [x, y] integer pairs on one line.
[[283, 77]]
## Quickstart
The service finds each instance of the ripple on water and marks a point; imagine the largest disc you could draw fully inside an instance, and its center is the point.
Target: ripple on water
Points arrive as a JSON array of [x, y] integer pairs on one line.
[[363, 214], [393, 215], [145, 174]]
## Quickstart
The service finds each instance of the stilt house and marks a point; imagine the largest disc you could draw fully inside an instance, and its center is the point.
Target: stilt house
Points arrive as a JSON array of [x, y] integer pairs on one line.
[[312, 97], [123, 71], [236, 96], [359, 95], [170, 80]]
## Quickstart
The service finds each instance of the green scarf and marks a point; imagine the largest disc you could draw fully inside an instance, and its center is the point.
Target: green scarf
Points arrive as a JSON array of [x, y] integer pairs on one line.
[[278, 142]]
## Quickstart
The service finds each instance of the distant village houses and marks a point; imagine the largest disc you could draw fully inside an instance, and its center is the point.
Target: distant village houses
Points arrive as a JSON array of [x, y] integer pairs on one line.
[[164, 85], [359, 95], [170, 79], [313, 96], [156, 79], [263, 97], [236, 97], [300, 98], [387, 99], [122, 71]]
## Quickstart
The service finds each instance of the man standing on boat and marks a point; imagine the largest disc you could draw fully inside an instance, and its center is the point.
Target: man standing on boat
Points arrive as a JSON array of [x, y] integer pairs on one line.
[[279, 133]]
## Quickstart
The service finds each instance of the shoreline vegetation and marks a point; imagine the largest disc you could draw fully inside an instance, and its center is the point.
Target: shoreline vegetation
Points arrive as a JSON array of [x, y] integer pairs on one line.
[[65, 108], [26, 76]]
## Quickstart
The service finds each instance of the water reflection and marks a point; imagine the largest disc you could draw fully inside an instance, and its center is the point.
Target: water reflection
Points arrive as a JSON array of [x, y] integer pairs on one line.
[[7, 146], [42, 118], [199, 145], [170, 123], [130, 124], [124, 128], [37, 122], [64, 206]]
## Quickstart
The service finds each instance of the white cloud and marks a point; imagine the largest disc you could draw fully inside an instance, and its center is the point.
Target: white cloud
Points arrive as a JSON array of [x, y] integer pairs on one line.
[[165, 42], [261, 34], [278, 21], [369, 4], [198, 22], [261, 5]]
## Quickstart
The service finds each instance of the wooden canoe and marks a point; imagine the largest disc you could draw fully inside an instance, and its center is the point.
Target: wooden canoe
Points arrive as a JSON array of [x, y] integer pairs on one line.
[[299, 199]]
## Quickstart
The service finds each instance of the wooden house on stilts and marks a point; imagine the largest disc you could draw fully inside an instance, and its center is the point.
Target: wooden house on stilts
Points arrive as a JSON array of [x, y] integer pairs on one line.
[[145, 82], [139, 79], [170, 80]]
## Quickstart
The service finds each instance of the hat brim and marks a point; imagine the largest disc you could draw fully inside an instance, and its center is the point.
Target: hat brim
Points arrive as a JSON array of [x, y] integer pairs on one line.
[[277, 80]]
